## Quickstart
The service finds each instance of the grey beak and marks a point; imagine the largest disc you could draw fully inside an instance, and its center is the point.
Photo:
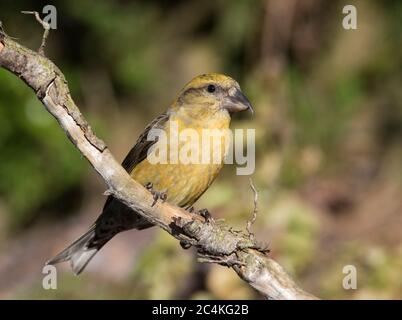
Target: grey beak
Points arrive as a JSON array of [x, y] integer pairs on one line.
[[237, 102]]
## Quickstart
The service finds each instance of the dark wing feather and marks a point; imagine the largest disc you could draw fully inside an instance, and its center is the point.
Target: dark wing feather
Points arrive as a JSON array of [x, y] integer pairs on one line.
[[141, 147], [116, 216]]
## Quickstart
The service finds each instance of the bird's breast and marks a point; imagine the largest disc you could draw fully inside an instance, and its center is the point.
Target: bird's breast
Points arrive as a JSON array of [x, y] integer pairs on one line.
[[186, 160]]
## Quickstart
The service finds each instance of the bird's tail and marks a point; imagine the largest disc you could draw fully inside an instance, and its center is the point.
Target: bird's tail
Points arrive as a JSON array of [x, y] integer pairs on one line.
[[80, 252], [116, 217]]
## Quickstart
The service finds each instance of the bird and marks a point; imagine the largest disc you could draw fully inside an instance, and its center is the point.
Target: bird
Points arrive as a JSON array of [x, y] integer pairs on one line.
[[206, 102]]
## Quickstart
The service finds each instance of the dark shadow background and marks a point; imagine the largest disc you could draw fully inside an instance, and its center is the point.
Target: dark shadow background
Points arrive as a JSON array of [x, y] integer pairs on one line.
[[328, 122]]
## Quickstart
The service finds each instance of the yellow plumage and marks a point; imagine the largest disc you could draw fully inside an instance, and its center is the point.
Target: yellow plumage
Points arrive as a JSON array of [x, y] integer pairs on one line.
[[185, 183], [205, 103]]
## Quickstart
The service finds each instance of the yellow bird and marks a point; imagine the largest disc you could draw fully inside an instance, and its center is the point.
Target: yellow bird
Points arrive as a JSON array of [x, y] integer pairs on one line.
[[205, 103]]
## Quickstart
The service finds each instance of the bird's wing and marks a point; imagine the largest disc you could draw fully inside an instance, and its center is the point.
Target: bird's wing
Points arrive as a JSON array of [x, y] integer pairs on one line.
[[141, 147]]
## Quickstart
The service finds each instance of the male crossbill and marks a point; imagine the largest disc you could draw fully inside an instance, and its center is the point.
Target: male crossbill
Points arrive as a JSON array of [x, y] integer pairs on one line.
[[206, 102]]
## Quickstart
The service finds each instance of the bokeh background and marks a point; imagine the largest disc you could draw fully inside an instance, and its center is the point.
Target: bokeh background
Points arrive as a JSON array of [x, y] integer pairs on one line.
[[328, 120]]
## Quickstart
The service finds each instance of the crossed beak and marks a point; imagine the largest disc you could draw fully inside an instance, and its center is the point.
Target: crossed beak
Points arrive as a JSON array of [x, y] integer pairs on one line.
[[236, 101]]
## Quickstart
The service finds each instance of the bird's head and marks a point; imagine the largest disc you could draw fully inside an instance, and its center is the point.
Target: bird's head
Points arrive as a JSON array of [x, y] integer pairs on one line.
[[215, 92]]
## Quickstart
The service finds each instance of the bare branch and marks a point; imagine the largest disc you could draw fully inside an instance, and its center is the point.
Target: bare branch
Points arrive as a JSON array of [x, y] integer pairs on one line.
[[46, 27], [255, 211], [215, 242]]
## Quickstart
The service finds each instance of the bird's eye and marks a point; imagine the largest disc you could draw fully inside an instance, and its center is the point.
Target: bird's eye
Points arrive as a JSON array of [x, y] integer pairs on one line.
[[211, 88]]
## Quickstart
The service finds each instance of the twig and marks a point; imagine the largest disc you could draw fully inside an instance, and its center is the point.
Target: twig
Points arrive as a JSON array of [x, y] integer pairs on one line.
[[251, 221], [212, 239], [46, 27]]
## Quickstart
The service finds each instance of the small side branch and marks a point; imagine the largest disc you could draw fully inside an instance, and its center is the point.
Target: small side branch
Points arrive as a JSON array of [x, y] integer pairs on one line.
[[255, 211], [46, 28]]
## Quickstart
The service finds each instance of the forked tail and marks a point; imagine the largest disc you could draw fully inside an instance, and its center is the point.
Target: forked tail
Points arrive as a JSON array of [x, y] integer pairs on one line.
[[80, 252]]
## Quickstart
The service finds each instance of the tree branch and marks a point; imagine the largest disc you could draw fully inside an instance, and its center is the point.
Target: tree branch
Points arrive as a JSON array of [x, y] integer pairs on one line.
[[218, 242], [46, 28]]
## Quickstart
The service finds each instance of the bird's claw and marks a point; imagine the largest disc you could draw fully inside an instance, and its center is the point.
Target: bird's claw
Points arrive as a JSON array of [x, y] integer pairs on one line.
[[157, 195], [203, 213], [185, 244], [190, 209], [206, 215]]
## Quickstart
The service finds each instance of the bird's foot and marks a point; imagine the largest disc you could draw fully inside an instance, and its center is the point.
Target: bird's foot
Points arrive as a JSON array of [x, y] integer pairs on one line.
[[203, 213], [206, 215], [185, 244], [190, 209], [157, 195]]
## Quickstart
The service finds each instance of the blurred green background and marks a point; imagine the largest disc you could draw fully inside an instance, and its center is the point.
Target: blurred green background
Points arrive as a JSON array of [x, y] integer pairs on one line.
[[328, 120]]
